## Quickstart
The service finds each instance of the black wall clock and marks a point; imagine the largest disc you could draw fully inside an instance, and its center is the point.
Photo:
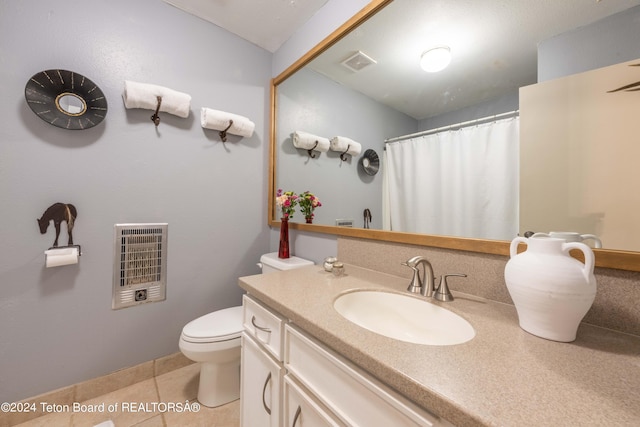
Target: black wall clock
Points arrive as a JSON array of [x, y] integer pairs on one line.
[[66, 99]]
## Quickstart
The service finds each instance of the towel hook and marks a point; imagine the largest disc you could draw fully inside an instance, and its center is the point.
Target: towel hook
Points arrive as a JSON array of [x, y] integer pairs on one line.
[[155, 118], [343, 156], [310, 150], [223, 133]]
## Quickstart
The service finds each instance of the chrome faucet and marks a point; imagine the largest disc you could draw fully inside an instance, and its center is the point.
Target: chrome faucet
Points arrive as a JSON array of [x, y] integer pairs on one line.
[[426, 286]]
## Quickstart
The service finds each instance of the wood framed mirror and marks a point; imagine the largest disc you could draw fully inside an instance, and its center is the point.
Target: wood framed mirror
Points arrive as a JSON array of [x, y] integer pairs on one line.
[[610, 258]]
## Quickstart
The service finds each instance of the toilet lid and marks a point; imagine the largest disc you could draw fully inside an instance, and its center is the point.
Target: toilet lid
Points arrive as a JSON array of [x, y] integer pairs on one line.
[[220, 325]]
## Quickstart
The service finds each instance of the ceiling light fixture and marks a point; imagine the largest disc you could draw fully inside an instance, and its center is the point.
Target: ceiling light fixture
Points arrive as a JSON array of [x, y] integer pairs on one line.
[[436, 59]]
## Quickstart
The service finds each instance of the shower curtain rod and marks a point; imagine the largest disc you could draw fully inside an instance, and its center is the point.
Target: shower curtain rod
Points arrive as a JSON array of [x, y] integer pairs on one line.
[[454, 126]]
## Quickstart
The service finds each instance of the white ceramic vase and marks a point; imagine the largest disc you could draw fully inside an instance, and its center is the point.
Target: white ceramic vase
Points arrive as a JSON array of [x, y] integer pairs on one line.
[[551, 290]]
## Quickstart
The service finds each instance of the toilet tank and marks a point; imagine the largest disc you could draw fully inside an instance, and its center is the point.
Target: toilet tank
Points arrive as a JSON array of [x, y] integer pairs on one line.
[[270, 262]]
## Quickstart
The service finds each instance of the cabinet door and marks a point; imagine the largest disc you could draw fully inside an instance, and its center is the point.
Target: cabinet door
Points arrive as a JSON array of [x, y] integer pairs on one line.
[[356, 398], [261, 379], [302, 410]]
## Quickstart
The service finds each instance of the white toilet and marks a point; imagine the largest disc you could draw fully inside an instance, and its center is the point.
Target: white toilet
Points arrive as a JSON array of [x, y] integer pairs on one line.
[[214, 341]]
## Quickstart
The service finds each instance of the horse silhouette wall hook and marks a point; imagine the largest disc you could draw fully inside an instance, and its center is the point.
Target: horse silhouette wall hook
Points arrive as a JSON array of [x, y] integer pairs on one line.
[[59, 212]]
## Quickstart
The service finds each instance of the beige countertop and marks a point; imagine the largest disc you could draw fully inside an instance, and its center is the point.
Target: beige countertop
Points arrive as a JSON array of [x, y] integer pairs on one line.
[[503, 377]]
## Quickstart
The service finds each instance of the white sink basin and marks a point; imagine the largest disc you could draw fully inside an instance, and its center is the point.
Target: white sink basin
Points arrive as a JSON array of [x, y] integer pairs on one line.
[[403, 317]]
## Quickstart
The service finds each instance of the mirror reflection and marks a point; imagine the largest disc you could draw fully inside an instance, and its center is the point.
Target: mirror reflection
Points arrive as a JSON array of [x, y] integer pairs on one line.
[[329, 98], [71, 104]]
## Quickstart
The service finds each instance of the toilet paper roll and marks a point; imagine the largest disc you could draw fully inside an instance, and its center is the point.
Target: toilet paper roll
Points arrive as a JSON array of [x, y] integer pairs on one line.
[[62, 256]]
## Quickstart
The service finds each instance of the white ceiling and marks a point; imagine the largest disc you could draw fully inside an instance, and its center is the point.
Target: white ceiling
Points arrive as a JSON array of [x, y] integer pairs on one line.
[[493, 43], [265, 23]]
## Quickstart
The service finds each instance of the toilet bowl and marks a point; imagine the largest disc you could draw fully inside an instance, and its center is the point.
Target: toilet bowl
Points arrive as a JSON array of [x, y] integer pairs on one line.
[[214, 341]]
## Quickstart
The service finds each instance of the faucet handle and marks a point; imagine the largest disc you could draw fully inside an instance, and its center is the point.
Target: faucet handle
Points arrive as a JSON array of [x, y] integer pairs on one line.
[[443, 293]]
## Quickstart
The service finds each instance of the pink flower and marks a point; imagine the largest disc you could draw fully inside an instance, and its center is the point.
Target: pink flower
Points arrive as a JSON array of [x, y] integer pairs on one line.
[[308, 202], [286, 201]]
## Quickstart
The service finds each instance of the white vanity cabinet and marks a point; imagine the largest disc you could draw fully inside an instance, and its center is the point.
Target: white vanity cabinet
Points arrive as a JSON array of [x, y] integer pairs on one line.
[[261, 366], [289, 379]]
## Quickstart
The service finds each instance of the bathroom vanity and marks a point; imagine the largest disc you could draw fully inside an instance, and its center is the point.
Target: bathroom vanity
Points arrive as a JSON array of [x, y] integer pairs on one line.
[[301, 360], [287, 375]]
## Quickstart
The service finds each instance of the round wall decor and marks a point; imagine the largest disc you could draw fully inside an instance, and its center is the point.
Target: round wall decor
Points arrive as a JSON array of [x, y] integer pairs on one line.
[[66, 99], [370, 162]]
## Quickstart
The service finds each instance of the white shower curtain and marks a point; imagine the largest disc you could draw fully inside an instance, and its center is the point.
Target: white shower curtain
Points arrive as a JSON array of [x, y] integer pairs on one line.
[[456, 183]]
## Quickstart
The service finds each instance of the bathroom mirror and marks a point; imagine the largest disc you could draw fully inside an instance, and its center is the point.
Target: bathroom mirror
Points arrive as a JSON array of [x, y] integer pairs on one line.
[[609, 257], [71, 104]]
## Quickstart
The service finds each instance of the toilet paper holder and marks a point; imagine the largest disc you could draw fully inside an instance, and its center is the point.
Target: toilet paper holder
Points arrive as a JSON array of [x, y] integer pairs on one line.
[[63, 257], [67, 247], [56, 255]]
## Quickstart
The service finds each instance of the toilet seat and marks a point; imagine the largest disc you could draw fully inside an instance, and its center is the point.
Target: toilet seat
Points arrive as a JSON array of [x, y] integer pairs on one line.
[[221, 325]]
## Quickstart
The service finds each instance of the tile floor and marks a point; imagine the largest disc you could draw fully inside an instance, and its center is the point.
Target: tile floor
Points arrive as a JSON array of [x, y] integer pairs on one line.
[[144, 410]]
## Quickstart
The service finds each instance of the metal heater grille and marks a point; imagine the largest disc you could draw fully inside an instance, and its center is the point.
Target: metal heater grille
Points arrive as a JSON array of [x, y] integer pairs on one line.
[[140, 264]]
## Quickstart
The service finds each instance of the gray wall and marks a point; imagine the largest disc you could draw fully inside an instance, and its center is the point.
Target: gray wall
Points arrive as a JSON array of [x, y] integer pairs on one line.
[[502, 104], [56, 324], [607, 42], [310, 102]]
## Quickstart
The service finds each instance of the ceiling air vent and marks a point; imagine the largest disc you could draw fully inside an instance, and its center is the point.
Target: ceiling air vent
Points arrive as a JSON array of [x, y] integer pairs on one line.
[[358, 62], [139, 265]]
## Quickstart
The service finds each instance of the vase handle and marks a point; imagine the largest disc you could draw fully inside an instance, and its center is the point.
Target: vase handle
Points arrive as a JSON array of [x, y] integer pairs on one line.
[[513, 249], [589, 258], [540, 235], [598, 243]]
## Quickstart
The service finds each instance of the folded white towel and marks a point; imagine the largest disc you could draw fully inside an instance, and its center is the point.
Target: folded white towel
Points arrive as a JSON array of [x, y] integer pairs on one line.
[[143, 95], [342, 144], [219, 120], [308, 141]]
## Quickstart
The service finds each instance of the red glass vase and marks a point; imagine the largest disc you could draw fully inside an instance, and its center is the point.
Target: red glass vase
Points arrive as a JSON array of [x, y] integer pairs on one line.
[[309, 219], [283, 249]]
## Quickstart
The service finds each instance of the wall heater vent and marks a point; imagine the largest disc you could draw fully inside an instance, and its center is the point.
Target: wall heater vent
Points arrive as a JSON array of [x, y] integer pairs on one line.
[[139, 264], [344, 222]]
